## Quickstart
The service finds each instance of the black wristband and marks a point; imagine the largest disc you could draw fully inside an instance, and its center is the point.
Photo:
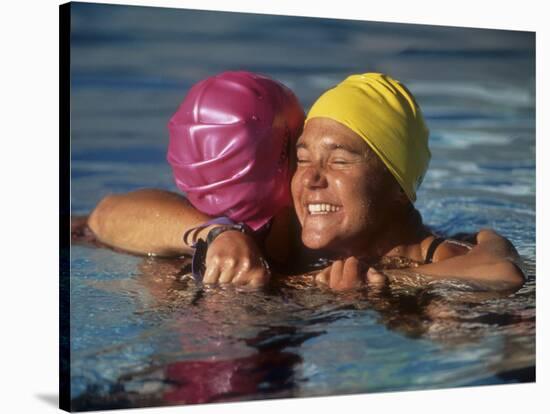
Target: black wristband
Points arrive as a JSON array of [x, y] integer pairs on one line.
[[201, 246], [216, 231]]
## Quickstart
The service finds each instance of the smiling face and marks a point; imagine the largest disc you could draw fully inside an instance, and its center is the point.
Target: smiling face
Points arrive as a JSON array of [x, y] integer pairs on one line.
[[343, 194]]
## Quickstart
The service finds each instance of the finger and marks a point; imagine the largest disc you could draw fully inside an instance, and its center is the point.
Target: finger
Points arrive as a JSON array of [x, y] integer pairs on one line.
[[227, 272], [351, 274], [258, 274], [487, 235], [226, 275], [212, 273], [259, 278], [246, 271], [252, 278], [323, 277], [376, 278], [242, 277], [336, 273]]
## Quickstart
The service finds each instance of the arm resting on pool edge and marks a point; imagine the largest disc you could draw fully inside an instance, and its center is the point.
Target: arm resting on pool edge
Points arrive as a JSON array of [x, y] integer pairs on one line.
[[493, 260], [491, 263], [151, 221], [146, 221]]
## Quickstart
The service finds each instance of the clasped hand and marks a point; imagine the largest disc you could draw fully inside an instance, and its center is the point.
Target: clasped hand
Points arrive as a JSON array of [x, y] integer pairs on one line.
[[233, 257], [349, 274]]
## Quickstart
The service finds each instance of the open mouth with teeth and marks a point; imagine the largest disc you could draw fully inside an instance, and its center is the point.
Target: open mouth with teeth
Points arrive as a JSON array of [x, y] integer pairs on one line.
[[322, 208]]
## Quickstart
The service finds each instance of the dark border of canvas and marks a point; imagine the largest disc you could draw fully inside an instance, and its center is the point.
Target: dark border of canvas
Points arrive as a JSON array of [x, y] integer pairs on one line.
[[64, 206]]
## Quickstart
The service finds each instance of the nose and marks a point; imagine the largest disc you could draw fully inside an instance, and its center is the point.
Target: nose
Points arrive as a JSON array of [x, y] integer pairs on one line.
[[314, 177]]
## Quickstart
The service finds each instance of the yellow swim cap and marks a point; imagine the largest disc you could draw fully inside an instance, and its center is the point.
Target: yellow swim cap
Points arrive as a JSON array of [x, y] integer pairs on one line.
[[385, 114]]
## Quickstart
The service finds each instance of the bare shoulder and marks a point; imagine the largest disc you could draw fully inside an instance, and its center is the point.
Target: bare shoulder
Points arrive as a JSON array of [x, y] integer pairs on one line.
[[487, 241]]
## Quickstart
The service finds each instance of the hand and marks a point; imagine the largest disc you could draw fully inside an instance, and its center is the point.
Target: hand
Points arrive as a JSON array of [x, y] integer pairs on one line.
[[493, 242], [80, 232], [234, 257], [349, 274]]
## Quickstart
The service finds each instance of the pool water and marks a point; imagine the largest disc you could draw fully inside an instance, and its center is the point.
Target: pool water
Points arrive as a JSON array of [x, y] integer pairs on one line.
[[143, 334]]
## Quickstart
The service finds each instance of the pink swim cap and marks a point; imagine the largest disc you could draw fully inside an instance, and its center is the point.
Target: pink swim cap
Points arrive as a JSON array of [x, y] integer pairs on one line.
[[230, 141]]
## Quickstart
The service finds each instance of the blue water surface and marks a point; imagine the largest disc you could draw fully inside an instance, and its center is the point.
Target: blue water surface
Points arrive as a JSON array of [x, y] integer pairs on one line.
[[141, 335]]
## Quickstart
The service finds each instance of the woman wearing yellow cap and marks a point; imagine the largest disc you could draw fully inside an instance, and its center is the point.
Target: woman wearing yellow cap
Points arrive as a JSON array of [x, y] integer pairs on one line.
[[360, 160]]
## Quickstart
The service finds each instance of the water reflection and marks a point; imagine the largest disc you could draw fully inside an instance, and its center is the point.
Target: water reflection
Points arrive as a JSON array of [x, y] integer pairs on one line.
[[223, 344]]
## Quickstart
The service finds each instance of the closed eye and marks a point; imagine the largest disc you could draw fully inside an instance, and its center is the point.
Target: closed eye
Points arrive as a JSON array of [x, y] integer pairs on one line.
[[302, 155]]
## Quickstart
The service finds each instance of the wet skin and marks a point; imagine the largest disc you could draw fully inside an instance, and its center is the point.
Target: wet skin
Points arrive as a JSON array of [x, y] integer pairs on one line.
[[343, 194], [351, 210]]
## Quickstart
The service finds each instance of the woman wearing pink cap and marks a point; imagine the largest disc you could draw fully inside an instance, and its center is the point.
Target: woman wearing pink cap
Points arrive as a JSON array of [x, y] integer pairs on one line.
[[230, 143]]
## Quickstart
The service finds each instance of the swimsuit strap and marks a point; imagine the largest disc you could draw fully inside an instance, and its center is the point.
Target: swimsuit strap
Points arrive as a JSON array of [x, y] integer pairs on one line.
[[431, 249], [439, 240]]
